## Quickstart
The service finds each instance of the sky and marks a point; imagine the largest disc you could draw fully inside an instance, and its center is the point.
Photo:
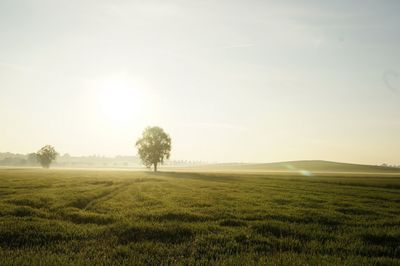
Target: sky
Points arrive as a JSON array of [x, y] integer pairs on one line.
[[230, 81]]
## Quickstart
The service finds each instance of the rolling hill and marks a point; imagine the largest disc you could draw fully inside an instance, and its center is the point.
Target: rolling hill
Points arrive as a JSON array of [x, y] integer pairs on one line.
[[305, 167]]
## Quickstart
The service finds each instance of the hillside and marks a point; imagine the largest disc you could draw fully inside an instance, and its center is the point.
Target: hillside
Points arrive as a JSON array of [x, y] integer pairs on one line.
[[305, 167]]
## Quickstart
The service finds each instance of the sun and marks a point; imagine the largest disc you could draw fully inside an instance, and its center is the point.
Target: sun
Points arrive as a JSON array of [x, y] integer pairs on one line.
[[120, 104]]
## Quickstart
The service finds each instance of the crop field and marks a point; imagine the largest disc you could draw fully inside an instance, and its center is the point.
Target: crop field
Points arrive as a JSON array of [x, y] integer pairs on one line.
[[88, 217]]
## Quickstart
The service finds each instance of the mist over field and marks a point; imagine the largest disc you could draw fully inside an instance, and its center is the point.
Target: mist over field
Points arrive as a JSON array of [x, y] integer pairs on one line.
[[199, 132]]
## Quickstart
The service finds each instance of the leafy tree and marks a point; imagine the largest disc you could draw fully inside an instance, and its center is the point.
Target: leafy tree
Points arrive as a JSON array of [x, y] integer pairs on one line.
[[153, 147], [46, 156]]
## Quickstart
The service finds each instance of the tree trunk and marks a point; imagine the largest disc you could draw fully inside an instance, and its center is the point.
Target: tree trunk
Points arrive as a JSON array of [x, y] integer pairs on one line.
[[155, 167]]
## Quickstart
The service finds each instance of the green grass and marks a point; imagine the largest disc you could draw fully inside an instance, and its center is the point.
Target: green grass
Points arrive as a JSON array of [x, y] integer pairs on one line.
[[71, 217]]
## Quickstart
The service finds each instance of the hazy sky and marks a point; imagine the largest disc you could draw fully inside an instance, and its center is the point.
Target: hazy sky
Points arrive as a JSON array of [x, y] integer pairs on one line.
[[250, 81]]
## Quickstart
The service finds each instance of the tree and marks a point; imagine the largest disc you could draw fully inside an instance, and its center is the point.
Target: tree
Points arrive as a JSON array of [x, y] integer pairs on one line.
[[153, 147], [46, 156]]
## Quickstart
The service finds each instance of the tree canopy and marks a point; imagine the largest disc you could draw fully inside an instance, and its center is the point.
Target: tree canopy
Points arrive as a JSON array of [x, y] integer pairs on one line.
[[46, 156], [154, 147]]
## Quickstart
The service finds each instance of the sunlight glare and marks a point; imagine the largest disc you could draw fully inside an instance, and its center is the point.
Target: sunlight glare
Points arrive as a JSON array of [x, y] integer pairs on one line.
[[120, 104]]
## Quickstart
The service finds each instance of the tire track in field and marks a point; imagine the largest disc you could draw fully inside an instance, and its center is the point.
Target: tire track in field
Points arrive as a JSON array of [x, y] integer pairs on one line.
[[85, 201], [106, 196], [121, 188]]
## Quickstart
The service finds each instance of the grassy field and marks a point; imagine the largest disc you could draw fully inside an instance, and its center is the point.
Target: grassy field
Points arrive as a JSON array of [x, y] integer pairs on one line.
[[78, 217]]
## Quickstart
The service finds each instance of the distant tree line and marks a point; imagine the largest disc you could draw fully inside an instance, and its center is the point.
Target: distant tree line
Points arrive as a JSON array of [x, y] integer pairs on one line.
[[44, 157], [66, 160], [12, 159], [154, 147]]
